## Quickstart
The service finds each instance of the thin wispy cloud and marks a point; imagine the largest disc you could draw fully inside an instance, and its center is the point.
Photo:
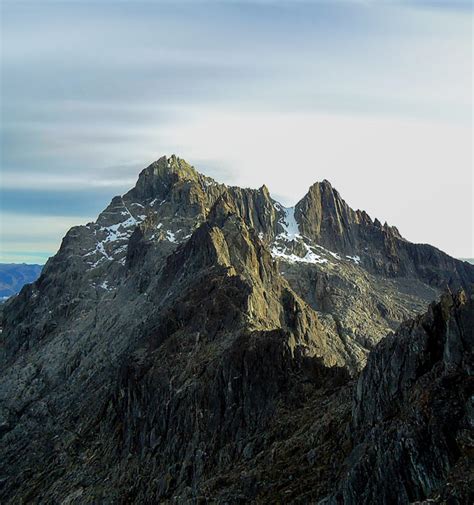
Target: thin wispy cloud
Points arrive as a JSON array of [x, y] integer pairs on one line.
[[93, 92]]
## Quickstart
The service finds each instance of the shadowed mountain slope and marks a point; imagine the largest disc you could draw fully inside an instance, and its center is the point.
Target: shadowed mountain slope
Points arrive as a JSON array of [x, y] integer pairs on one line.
[[198, 343]]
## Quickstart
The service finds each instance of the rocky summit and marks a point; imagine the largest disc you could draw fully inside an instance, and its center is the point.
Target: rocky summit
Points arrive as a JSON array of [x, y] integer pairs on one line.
[[201, 343]]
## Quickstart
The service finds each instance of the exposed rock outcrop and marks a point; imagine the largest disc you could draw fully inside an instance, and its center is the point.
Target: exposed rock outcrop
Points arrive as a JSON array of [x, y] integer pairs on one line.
[[412, 415], [198, 343], [325, 217]]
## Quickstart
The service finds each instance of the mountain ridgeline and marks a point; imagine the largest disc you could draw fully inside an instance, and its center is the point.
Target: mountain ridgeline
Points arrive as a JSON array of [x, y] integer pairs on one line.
[[13, 276], [200, 343]]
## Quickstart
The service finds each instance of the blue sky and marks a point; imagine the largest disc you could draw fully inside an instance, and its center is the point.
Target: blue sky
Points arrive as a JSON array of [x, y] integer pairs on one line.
[[373, 95]]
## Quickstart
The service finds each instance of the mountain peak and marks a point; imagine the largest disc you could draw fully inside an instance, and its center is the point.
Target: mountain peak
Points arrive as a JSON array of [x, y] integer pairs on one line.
[[160, 175], [173, 164], [323, 185], [264, 190], [196, 328]]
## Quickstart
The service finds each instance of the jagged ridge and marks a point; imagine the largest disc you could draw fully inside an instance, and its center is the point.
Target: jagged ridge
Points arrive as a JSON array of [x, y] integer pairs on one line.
[[193, 327]]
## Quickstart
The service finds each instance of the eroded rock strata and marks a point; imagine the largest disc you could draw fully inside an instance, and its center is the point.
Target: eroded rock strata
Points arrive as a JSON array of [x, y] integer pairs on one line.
[[200, 343]]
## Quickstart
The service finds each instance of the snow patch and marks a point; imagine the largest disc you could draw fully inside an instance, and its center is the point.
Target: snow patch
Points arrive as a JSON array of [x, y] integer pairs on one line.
[[105, 285], [310, 257], [115, 232], [333, 254], [101, 249], [289, 224], [153, 202], [120, 230], [170, 236], [355, 259]]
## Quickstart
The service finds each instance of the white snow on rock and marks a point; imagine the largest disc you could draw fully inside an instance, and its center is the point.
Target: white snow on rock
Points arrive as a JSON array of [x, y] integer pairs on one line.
[[289, 224], [116, 232], [153, 202], [101, 249], [333, 254], [290, 234], [355, 259], [105, 285], [121, 249], [170, 236], [208, 183], [309, 257], [121, 230]]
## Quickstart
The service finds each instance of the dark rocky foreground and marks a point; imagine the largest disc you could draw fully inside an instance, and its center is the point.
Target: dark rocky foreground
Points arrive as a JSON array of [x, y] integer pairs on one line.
[[202, 344]]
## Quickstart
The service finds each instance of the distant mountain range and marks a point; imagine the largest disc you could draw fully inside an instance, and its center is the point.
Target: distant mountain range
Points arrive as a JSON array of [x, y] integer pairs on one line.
[[13, 276], [201, 343]]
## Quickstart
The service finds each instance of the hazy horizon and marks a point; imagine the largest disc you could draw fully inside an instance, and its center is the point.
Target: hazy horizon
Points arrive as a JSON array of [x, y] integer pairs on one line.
[[39, 258]]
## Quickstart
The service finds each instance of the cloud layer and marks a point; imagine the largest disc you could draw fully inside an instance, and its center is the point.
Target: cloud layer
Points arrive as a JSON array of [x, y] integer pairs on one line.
[[374, 96]]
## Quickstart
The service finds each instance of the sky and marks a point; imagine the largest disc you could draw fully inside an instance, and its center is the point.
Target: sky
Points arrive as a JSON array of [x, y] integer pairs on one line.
[[373, 95]]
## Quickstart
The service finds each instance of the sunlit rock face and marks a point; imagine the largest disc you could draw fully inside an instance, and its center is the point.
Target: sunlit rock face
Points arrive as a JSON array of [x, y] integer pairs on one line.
[[200, 343]]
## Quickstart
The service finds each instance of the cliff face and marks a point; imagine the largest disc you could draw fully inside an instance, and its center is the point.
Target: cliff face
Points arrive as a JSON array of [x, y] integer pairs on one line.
[[334, 258], [197, 344], [325, 217], [412, 413], [183, 363]]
